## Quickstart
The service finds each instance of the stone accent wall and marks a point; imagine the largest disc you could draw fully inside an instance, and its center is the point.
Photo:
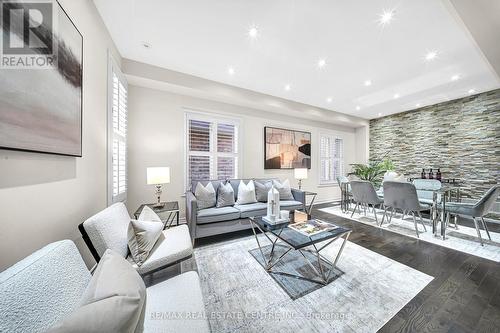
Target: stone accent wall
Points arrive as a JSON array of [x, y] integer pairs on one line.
[[461, 137]]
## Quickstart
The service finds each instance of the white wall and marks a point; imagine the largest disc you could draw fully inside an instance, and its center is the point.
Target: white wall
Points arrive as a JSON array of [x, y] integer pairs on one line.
[[156, 138], [43, 198]]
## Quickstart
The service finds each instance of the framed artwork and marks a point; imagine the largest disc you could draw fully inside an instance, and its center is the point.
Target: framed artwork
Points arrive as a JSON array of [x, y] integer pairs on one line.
[[286, 149], [41, 108]]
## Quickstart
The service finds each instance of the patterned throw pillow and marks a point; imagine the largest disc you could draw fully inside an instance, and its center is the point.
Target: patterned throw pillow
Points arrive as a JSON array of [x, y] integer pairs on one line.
[[205, 195], [284, 189], [262, 189], [225, 196]]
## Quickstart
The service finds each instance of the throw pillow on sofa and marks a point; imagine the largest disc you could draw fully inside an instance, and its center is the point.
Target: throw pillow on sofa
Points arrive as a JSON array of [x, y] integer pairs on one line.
[[262, 189], [147, 214], [114, 300], [225, 196], [142, 236], [284, 189], [205, 195], [246, 193]]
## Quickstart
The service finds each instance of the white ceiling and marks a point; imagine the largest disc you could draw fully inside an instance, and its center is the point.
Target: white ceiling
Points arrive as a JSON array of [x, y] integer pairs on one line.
[[204, 38]]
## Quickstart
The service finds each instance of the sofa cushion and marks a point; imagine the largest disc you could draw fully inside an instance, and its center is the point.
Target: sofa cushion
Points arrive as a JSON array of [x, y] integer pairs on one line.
[[284, 189], [205, 195], [174, 244], [246, 193], [291, 205], [210, 215], [108, 229], [250, 210], [179, 295], [262, 189], [43, 288], [225, 196], [142, 236], [109, 304]]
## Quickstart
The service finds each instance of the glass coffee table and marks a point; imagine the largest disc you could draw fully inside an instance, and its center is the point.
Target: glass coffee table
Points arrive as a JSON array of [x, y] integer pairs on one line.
[[281, 235]]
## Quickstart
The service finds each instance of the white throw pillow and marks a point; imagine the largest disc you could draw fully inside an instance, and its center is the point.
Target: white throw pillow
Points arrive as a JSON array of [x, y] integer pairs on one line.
[[246, 193], [284, 189], [142, 236], [147, 214], [205, 195]]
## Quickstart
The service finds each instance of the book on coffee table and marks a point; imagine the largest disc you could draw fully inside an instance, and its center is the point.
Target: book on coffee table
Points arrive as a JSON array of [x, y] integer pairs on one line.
[[312, 227]]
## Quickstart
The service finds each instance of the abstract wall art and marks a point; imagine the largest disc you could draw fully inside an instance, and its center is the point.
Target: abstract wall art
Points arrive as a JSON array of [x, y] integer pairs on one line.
[[286, 149]]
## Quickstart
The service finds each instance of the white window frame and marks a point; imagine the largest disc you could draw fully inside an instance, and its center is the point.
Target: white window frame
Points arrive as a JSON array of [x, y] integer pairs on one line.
[[190, 114], [113, 67], [341, 159]]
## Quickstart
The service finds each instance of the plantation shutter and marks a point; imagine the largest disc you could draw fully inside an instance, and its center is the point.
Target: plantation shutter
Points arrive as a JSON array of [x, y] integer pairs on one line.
[[331, 159], [118, 134], [212, 150]]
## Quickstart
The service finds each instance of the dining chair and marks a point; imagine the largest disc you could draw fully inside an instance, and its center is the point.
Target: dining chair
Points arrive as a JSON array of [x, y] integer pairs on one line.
[[403, 196], [425, 192], [342, 180], [364, 194], [475, 210]]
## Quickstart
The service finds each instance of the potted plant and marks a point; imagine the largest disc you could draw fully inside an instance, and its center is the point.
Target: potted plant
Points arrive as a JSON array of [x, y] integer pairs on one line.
[[373, 171]]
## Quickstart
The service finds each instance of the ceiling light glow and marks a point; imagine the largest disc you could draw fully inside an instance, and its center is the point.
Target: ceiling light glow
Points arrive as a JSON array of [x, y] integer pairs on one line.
[[230, 70], [288, 87], [396, 96], [329, 99], [368, 83], [455, 77], [417, 105], [386, 17], [358, 108], [431, 55], [471, 91], [380, 114], [253, 32], [321, 63]]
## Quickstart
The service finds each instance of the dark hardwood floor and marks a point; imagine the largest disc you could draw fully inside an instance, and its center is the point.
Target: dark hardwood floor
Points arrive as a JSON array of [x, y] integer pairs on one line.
[[464, 295]]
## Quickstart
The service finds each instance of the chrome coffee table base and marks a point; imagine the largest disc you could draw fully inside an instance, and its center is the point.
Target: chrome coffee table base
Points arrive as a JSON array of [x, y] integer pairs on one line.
[[324, 267]]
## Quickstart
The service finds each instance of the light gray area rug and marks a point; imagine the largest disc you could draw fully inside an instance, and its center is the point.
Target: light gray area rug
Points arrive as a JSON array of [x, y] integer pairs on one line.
[[240, 296], [464, 239]]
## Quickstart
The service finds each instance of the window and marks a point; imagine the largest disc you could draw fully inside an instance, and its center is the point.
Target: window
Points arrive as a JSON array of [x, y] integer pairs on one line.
[[331, 159], [212, 148], [117, 134]]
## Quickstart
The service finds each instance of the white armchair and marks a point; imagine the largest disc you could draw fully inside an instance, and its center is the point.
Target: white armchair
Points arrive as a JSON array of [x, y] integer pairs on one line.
[[108, 230]]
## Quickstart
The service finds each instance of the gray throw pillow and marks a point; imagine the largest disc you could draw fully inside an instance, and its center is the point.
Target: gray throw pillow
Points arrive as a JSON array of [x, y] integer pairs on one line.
[[205, 195], [142, 236], [262, 189], [225, 196], [284, 190], [114, 300]]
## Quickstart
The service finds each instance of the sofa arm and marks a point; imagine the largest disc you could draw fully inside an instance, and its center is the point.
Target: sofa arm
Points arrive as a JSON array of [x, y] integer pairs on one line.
[[299, 195], [191, 213]]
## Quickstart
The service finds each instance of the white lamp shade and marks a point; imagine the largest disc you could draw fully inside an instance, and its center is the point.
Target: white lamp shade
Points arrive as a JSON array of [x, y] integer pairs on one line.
[[301, 173], [158, 175]]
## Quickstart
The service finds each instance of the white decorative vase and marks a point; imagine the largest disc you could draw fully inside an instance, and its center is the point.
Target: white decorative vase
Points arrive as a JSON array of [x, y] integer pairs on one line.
[[273, 204]]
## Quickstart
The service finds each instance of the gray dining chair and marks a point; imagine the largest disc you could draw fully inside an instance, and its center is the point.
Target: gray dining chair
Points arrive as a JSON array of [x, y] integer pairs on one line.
[[364, 194], [403, 196], [475, 210]]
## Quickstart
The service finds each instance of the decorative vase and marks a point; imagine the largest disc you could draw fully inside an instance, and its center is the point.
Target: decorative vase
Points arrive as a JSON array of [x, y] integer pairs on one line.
[[273, 204]]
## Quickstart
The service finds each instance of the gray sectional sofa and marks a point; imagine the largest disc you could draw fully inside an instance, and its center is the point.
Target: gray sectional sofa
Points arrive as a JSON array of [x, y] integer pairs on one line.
[[213, 221]]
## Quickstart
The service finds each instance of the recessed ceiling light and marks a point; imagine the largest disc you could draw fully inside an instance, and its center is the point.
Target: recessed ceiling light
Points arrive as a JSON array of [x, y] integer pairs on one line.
[[329, 99], [358, 108], [380, 114], [455, 77], [417, 105], [471, 91], [368, 83], [253, 32], [321, 63], [288, 87], [431, 55], [386, 17], [396, 96], [146, 45], [230, 70]]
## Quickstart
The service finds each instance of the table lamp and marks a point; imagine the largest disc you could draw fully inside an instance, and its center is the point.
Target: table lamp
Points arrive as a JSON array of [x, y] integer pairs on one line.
[[158, 176], [300, 174]]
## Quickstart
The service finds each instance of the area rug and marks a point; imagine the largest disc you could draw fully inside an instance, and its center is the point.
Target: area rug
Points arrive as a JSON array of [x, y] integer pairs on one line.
[[464, 239], [240, 296], [291, 273]]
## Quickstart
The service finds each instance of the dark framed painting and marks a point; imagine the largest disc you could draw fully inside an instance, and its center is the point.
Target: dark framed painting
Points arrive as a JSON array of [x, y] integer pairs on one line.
[[286, 149], [41, 107]]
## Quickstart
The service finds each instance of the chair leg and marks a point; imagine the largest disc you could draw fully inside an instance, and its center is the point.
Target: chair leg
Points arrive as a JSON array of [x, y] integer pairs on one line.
[[354, 211], [364, 208], [485, 227], [383, 216], [478, 232], [422, 221], [455, 220], [415, 223], [390, 217], [375, 214], [403, 215]]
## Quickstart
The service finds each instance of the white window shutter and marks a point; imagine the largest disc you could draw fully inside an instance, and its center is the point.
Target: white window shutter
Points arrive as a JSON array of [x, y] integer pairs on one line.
[[331, 159]]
